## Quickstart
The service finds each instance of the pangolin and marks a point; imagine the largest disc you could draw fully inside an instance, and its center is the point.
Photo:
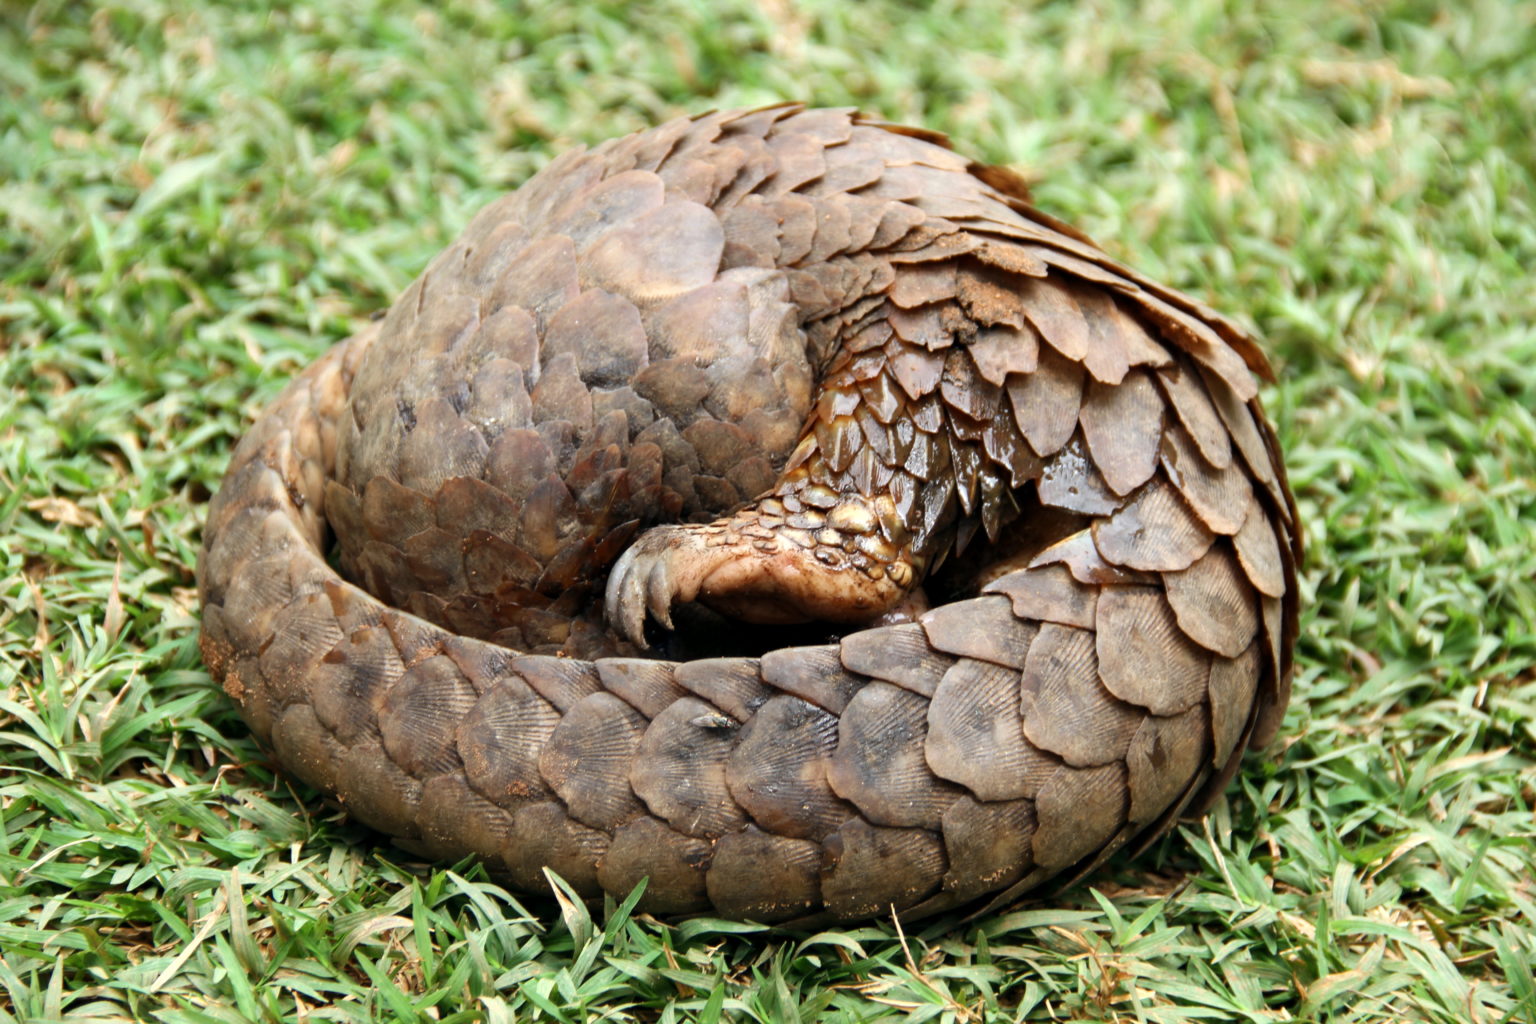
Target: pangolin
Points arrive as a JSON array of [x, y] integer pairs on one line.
[[776, 506]]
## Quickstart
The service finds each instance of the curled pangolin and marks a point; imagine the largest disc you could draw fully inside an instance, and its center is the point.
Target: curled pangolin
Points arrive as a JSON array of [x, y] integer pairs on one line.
[[870, 384]]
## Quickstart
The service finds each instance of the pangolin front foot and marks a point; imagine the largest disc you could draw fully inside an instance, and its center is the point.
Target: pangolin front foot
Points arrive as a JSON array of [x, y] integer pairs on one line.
[[761, 567]]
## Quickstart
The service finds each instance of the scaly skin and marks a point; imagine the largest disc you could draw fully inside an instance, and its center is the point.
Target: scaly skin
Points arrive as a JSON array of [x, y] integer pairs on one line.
[[790, 366]]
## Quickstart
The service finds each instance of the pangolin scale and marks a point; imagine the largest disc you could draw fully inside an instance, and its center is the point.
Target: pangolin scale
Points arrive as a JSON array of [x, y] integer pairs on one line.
[[739, 371]]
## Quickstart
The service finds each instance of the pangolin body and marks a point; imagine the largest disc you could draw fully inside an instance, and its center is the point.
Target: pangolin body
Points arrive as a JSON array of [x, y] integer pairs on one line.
[[860, 375]]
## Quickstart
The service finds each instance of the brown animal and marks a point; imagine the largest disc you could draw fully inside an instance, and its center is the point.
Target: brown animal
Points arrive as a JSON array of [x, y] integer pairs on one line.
[[741, 371]]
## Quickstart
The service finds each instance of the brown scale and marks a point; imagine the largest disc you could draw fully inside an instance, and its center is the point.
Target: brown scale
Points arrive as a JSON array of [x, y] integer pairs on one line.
[[971, 548], [448, 833]]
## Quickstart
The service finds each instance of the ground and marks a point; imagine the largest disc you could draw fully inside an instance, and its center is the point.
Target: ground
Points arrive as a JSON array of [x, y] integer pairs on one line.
[[195, 200]]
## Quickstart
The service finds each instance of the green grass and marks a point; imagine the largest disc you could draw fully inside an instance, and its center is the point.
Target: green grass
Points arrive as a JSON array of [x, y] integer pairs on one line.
[[196, 200]]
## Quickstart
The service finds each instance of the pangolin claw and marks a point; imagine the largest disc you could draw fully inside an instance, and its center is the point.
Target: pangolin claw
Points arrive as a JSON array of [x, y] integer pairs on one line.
[[623, 602], [642, 582]]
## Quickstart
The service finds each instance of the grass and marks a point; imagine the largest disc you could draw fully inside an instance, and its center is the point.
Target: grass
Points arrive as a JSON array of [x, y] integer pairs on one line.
[[195, 200]]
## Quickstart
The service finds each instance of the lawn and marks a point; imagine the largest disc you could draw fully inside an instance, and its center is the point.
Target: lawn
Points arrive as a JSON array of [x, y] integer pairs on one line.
[[195, 200]]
